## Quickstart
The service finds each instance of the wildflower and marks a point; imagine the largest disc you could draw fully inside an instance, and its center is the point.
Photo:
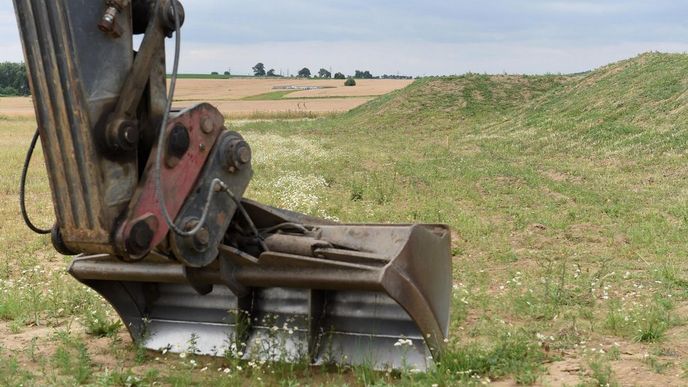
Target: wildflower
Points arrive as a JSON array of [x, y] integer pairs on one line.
[[227, 370], [182, 355]]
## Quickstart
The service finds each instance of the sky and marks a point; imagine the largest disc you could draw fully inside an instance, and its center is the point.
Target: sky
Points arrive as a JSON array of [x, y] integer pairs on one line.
[[415, 37]]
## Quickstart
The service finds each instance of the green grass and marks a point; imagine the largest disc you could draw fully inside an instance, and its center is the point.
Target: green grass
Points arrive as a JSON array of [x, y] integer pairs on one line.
[[555, 187], [271, 96], [566, 197]]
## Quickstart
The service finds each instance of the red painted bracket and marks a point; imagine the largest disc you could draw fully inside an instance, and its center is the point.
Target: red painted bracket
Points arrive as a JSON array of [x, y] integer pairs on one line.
[[144, 227]]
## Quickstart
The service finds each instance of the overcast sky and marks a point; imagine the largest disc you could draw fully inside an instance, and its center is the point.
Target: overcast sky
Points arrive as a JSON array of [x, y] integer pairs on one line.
[[415, 37]]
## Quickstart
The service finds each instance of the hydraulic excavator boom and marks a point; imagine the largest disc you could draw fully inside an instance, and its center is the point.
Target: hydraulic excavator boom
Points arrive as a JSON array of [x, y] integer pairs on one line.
[[150, 201]]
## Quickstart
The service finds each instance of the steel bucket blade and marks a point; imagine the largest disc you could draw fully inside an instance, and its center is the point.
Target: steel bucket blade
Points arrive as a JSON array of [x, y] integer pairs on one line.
[[380, 297]]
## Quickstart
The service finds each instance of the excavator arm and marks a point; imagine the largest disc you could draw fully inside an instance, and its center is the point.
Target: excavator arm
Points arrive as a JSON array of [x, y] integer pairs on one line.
[[151, 203]]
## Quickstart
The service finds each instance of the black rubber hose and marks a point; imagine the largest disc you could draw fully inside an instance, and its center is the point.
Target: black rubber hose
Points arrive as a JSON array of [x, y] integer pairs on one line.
[[22, 187]]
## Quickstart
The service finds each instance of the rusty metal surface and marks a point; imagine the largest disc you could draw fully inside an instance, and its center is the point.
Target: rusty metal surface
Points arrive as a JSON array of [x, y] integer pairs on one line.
[[178, 179], [225, 164], [70, 100]]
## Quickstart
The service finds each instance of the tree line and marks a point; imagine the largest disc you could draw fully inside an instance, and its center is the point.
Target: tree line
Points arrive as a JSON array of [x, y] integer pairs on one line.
[[13, 80], [259, 70]]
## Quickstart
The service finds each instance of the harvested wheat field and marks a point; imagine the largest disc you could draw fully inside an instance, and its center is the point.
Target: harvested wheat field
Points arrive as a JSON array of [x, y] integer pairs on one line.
[[16, 107], [257, 97], [238, 88]]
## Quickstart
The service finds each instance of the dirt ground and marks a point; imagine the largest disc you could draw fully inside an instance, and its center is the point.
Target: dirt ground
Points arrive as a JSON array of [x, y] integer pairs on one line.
[[227, 94]]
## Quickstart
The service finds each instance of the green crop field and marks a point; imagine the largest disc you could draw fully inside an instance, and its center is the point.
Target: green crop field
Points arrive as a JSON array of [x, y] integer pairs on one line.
[[568, 201]]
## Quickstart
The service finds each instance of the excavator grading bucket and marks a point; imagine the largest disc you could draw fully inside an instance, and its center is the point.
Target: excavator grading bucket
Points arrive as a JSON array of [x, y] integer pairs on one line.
[[197, 268], [375, 295]]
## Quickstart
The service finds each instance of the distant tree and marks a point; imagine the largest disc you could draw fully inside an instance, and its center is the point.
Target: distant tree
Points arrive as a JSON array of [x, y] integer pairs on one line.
[[259, 70], [13, 79], [214, 73], [339, 76], [350, 82], [304, 73], [271, 73], [324, 74], [363, 74]]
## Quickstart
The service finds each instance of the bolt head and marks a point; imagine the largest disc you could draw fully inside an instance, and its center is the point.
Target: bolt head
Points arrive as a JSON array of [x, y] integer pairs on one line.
[[207, 125], [178, 141], [140, 238], [130, 134], [203, 237], [244, 154]]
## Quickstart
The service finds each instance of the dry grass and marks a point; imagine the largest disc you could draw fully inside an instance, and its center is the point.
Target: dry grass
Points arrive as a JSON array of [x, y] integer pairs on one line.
[[227, 95], [16, 107], [238, 88], [281, 108]]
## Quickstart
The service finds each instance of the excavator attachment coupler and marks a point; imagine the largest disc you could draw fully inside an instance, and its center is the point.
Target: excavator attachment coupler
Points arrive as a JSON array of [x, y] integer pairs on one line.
[[374, 295]]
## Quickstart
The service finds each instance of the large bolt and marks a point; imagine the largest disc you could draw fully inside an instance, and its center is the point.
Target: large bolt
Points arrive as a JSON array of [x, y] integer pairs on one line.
[[168, 17], [107, 22], [244, 154], [178, 143], [130, 135], [237, 154], [202, 237], [140, 238], [122, 136], [201, 240]]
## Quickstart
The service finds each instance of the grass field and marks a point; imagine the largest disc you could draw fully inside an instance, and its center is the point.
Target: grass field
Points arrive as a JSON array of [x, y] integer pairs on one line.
[[567, 197]]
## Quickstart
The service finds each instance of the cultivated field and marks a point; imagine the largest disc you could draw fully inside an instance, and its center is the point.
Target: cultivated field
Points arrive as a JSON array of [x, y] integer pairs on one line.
[[257, 98], [567, 198]]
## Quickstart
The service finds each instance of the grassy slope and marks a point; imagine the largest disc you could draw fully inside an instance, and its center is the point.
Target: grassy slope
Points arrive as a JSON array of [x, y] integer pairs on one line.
[[566, 195]]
